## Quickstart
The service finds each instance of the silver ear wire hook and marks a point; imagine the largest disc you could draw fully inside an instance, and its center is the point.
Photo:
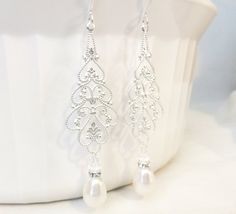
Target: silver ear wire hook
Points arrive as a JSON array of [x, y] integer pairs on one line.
[[91, 5], [90, 25], [144, 16], [146, 4], [144, 26]]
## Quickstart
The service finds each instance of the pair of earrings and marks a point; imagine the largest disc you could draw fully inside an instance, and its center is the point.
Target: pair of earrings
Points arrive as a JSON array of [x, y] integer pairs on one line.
[[92, 114]]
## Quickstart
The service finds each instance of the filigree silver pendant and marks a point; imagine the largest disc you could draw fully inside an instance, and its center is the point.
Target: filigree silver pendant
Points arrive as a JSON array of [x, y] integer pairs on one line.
[[144, 111], [92, 112], [144, 99]]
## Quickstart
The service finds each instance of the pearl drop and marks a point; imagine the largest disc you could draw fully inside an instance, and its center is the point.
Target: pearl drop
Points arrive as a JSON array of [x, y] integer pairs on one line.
[[143, 181], [94, 192]]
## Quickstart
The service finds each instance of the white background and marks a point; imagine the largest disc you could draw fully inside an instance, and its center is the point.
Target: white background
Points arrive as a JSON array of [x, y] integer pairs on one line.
[[216, 66], [180, 186]]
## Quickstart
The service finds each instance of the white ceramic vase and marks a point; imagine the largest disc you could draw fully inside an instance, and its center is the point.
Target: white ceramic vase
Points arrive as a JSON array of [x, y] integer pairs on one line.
[[41, 49]]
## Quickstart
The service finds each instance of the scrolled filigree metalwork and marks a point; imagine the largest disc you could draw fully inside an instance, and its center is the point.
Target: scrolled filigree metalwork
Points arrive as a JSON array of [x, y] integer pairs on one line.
[[144, 100], [92, 112]]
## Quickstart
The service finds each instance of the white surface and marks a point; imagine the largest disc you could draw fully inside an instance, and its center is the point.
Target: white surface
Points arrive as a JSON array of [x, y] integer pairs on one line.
[[214, 88], [200, 180], [216, 76], [41, 43]]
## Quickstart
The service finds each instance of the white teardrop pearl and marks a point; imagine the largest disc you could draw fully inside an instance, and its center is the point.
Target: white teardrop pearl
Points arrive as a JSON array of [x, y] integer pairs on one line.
[[94, 192], [143, 181]]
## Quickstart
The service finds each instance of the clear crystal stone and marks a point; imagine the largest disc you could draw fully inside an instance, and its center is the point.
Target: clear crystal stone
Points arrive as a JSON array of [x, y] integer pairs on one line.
[[90, 26], [144, 162]]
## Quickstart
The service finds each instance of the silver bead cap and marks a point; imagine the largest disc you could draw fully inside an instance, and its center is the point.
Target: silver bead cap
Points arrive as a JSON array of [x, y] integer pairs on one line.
[[95, 172], [144, 163]]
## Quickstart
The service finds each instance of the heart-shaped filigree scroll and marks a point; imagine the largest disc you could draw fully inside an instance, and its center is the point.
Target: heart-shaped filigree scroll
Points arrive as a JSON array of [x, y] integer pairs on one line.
[[93, 132], [145, 107], [91, 71], [92, 114], [145, 70]]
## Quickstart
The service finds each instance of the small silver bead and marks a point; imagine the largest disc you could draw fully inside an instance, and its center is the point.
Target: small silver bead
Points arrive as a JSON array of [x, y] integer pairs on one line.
[[144, 163]]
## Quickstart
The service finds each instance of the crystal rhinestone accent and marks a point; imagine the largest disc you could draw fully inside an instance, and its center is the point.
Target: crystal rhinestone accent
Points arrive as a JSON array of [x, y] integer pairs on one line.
[[144, 163], [94, 168]]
